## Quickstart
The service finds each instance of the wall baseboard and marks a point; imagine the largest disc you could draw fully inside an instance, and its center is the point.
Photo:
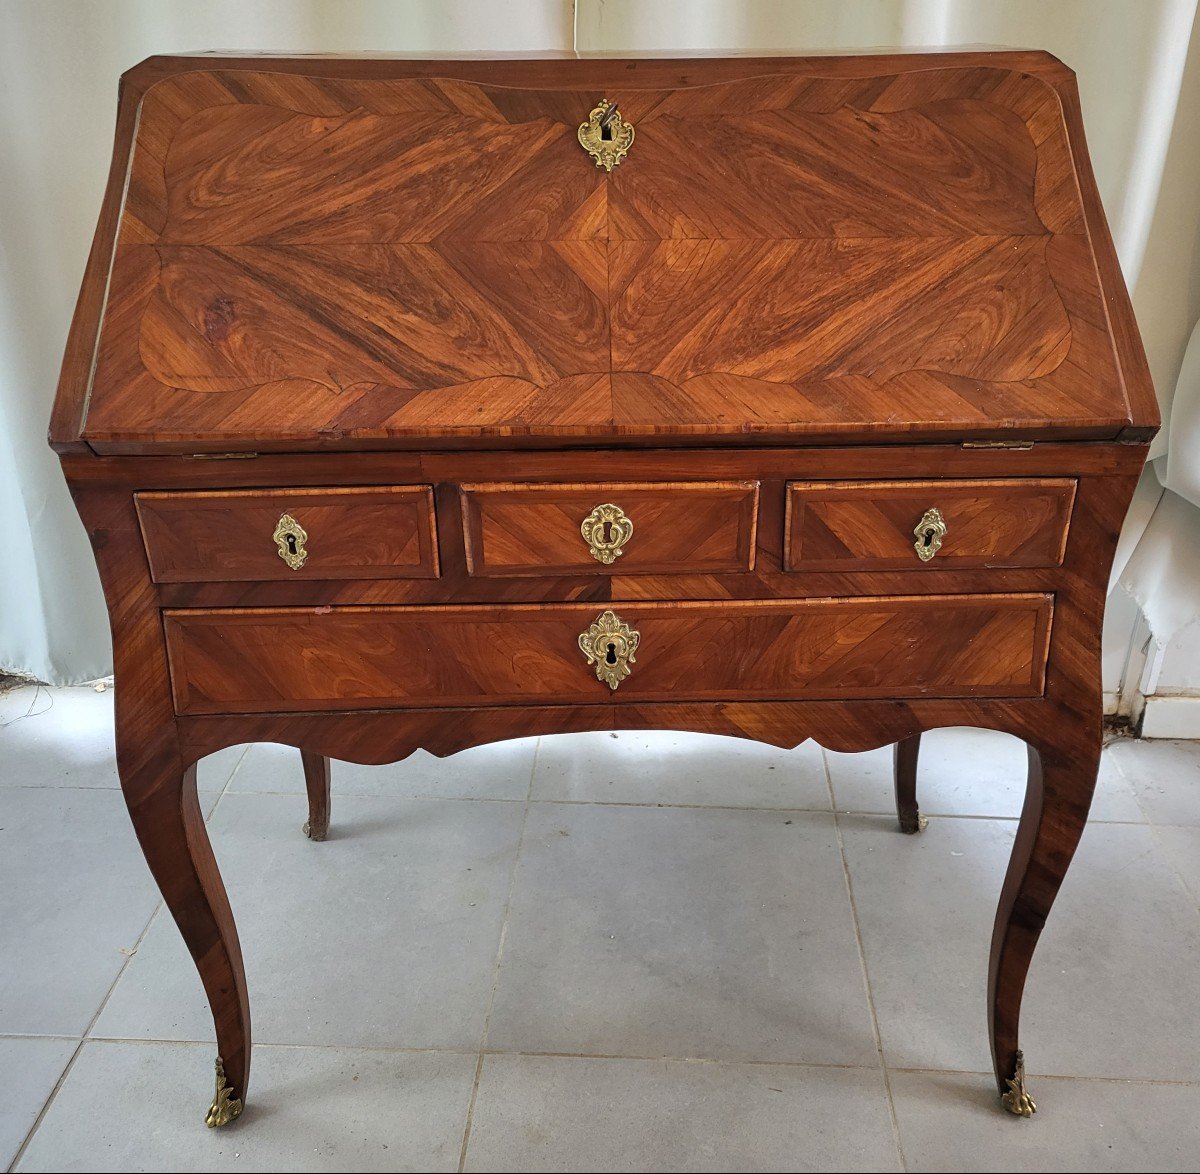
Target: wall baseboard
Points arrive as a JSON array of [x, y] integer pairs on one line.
[[1171, 717]]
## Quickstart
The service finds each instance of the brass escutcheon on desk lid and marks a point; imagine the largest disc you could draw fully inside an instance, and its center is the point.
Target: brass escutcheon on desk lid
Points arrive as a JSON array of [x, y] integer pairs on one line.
[[930, 532], [606, 136], [290, 537], [606, 530], [609, 644]]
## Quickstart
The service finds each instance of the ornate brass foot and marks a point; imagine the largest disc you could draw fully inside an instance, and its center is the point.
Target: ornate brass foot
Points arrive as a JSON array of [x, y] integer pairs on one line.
[[1017, 1100], [225, 1107], [316, 836]]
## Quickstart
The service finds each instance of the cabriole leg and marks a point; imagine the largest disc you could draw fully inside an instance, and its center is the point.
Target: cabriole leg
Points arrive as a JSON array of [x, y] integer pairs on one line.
[[167, 818], [1057, 798], [317, 780], [160, 790], [904, 761]]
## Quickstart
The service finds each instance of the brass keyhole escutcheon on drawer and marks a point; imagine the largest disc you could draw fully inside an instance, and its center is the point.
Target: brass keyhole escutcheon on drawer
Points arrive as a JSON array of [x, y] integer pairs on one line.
[[606, 530], [930, 532], [290, 537], [609, 645], [606, 136]]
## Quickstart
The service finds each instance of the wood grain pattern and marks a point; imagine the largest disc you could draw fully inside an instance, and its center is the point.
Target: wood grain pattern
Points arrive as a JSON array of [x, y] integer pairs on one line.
[[1065, 718], [395, 299], [265, 661], [869, 525], [352, 534], [904, 769], [159, 783], [690, 528], [1058, 794], [317, 781], [768, 579], [804, 269]]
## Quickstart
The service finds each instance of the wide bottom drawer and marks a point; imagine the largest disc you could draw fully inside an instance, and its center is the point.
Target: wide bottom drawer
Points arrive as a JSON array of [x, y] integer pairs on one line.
[[264, 660]]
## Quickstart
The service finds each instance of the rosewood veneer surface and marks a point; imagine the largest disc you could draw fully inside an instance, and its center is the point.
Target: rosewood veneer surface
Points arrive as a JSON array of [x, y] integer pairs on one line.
[[396, 421], [684, 527]]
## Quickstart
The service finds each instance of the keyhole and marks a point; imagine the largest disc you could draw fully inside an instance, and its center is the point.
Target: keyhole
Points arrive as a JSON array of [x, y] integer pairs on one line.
[[290, 539], [607, 532], [610, 657], [928, 538], [606, 123]]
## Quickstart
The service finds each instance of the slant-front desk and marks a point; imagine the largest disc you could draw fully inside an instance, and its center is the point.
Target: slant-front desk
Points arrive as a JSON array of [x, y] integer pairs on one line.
[[429, 403]]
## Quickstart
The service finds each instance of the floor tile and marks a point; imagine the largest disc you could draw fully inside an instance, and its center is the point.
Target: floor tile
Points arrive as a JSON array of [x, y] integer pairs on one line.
[[384, 935], [1116, 991], [128, 1106], [953, 1122], [1165, 776], [543, 1113], [636, 931], [31, 1069], [74, 892], [681, 932], [965, 771], [1113, 982], [63, 737], [57, 737], [214, 773], [498, 771], [663, 767], [1181, 847]]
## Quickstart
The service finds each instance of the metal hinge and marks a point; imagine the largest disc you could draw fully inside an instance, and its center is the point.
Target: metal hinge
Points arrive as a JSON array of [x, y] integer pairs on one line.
[[219, 456], [1016, 444]]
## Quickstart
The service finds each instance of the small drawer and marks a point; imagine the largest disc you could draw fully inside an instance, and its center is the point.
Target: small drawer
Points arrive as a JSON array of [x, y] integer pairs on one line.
[[916, 525], [610, 528], [379, 533], [278, 660]]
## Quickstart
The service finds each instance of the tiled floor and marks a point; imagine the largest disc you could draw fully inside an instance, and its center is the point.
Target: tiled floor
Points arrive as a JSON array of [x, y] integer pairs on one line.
[[597, 952]]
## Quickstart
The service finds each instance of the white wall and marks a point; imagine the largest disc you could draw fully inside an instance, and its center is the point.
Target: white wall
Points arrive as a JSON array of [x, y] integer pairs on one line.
[[59, 61]]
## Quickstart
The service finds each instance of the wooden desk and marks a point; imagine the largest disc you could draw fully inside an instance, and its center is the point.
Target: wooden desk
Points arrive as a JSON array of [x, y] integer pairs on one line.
[[424, 404]]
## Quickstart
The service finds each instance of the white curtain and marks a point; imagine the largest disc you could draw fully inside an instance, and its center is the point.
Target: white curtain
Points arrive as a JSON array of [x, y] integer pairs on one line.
[[59, 61]]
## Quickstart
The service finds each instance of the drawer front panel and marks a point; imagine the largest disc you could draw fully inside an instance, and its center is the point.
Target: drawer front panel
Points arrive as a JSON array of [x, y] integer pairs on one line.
[[279, 660], [675, 528], [871, 525], [378, 533]]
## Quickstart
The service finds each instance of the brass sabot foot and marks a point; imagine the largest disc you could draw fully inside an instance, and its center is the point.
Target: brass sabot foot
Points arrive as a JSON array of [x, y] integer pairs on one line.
[[225, 1107], [1017, 1100]]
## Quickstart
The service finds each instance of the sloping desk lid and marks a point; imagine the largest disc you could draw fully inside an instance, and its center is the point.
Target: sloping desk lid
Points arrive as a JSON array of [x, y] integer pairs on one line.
[[385, 254]]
